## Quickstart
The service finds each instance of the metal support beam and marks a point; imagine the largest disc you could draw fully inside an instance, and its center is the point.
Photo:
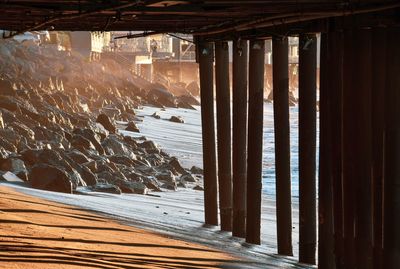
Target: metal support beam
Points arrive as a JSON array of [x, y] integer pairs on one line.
[[391, 233], [282, 145], [239, 86], [307, 145], [224, 134], [206, 56], [255, 140]]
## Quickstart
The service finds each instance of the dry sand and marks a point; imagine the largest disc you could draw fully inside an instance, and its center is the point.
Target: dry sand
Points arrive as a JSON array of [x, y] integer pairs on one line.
[[36, 233]]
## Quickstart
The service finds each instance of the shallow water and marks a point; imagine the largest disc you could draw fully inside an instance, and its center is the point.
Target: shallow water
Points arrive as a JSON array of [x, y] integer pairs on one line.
[[184, 140]]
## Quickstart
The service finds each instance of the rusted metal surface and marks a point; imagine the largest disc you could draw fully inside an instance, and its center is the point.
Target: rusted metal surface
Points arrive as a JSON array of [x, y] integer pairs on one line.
[[239, 162], [224, 134], [206, 56], [307, 146], [255, 140]]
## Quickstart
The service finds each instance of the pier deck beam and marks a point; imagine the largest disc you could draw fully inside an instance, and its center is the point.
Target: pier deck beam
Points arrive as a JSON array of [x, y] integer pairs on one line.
[[224, 134], [206, 56], [282, 145], [255, 140], [307, 145], [239, 85]]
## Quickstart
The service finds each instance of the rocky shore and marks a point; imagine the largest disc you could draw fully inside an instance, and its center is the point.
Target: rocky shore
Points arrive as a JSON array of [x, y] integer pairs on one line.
[[58, 130]]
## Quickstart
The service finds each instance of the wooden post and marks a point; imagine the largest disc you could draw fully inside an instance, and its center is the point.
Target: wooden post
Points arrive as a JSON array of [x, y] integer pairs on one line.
[[206, 56], [224, 134], [240, 57], [255, 140], [335, 80], [362, 147], [325, 222], [378, 123], [349, 132], [307, 145], [282, 145], [391, 235]]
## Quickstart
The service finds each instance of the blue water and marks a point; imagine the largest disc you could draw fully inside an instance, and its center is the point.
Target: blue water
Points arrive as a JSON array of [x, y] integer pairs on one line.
[[184, 140]]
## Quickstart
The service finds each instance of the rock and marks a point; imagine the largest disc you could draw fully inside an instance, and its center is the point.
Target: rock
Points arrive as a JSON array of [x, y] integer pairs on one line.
[[121, 159], [6, 88], [174, 162], [108, 188], [132, 187], [187, 178], [159, 95], [193, 88], [15, 166], [170, 186], [88, 176], [149, 146], [152, 183], [182, 184], [198, 188], [196, 170], [189, 99], [104, 120], [91, 136], [1, 121], [48, 177], [156, 115], [166, 176], [92, 165], [7, 145], [10, 177], [78, 156], [177, 119], [113, 146], [81, 143], [132, 127], [183, 104]]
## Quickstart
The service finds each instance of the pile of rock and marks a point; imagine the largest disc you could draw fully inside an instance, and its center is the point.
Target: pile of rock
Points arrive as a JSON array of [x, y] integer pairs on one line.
[[60, 135]]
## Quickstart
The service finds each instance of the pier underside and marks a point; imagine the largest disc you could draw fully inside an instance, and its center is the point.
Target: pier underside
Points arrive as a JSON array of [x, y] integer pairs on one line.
[[358, 190]]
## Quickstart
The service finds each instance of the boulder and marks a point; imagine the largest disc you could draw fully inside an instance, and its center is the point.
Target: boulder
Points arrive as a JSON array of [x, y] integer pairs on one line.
[[78, 156], [196, 170], [15, 166], [156, 115], [177, 119], [187, 178], [152, 183], [198, 188], [1, 121], [112, 145], [48, 177], [108, 188], [132, 127], [104, 120], [81, 143], [6, 88], [174, 162]]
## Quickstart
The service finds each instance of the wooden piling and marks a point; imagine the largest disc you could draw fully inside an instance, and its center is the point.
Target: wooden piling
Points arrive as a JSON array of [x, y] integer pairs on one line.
[[362, 147], [282, 145], [349, 121], [391, 235], [239, 85], [335, 80], [378, 123], [206, 56], [325, 212], [223, 134], [307, 146], [255, 140]]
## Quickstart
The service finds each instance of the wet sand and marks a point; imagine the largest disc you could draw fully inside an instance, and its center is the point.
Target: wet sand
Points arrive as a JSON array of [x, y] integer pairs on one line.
[[36, 233]]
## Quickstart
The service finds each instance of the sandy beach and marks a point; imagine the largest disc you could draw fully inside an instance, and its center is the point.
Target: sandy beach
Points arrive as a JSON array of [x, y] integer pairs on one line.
[[35, 233]]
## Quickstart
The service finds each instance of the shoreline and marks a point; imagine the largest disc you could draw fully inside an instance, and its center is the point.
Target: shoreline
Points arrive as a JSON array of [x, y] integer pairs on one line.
[[76, 237], [148, 212]]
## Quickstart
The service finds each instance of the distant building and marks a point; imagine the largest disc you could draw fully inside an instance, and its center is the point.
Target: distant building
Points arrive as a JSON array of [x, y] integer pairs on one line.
[[90, 44]]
